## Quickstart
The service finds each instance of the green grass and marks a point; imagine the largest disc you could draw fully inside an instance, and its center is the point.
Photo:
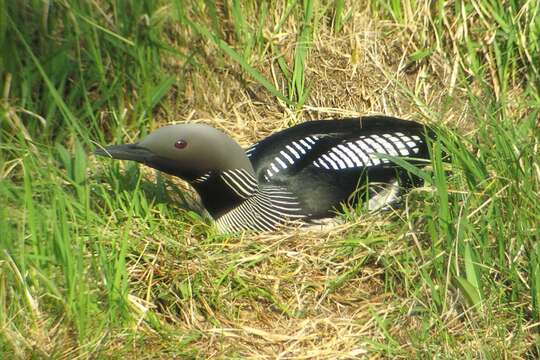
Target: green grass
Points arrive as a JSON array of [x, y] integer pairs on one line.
[[102, 259]]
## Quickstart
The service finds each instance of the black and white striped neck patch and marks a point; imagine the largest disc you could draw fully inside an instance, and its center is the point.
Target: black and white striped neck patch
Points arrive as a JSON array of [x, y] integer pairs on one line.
[[365, 151], [290, 154], [202, 178], [269, 208], [241, 182]]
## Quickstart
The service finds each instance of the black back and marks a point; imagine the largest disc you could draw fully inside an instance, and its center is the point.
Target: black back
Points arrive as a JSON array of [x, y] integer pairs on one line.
[[322, 189]]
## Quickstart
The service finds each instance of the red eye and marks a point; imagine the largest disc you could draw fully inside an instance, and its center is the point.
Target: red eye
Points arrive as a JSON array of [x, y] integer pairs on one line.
[[180, 144]]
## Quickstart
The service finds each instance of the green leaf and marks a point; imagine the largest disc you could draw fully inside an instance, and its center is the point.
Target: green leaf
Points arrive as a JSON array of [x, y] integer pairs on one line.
[[471, 269], [471, 293], [160, 91], [421, 54]]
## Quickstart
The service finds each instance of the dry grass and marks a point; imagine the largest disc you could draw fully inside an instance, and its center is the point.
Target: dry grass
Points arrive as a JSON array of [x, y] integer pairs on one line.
[[340, 293], [279, 295]]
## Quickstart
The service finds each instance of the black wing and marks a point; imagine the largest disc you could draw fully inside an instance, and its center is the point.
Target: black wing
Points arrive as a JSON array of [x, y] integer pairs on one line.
[[323, 162], [335, 145]]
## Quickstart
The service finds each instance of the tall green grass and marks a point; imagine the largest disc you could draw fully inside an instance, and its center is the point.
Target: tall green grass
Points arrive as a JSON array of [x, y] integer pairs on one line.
[[75, 72], [482, 216]]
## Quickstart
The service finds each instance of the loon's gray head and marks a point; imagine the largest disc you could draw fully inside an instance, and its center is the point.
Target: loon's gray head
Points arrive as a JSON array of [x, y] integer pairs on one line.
[[186, 150]]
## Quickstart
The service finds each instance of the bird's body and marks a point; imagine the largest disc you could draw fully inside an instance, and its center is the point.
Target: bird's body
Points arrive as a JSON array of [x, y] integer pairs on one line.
[[301, 174]]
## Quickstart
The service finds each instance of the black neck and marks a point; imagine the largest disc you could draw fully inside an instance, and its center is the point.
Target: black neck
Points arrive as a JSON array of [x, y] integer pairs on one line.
[[217, 197]]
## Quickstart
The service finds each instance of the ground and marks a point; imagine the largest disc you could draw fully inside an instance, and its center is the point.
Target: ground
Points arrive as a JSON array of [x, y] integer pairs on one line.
[[110, 260]]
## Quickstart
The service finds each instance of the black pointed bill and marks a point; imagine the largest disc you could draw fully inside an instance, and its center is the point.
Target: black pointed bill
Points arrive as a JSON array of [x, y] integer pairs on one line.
[[125, 152]]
